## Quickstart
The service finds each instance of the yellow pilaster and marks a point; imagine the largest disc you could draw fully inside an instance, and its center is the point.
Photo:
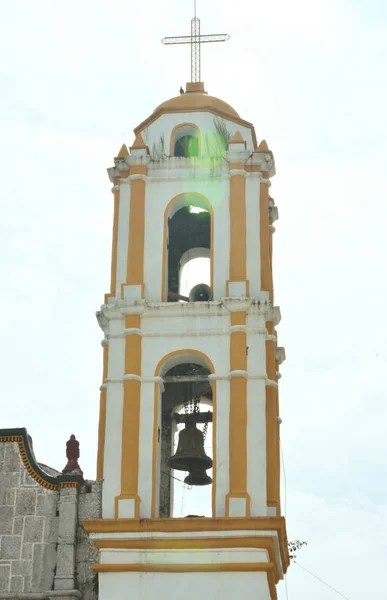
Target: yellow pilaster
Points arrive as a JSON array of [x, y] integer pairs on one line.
[[135, 268], [131, 413], [238, 415], [237, 225], [265, 241]]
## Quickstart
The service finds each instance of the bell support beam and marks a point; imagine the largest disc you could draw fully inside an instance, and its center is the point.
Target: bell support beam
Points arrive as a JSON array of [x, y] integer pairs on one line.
[[201, 417]]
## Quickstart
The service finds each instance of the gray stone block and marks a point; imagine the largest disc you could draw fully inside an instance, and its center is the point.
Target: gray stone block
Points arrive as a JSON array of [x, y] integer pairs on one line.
[[90, 506], [2, 451], [49, 565], [37, 567], [46, 504], [27, 551], [17, 583], [64, 583], [33, 529], [28, 480], [6, 516], [86, 552], [25, 502], [27, 583], [51, 530], [65, 564], [7, 481], [10, 497], [68, 521], [10, 546], [12, 460], [18, 523], [5, 578], [21, 567]]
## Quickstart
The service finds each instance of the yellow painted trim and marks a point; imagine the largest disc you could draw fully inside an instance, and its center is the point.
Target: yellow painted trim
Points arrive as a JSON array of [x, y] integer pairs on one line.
[[239, 165], [259, 543], [237, 139], [237, 225], [171, 144], [241, 495], [238, 410], [272, 581], [156, 425], [113, 274], [272, 425], [218, 113], [128, 497], [189, 525], [247, 281], [131, 410], [264, 239], [102, 415], [183, 568], [136, 249], [164, 291]]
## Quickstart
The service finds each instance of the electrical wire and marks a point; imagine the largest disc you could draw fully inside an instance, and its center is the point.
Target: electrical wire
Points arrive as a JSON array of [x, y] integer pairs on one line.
[[322, 581], [181, 480]]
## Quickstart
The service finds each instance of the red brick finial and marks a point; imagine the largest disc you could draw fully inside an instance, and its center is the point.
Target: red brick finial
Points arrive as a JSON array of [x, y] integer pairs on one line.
[[72, 453]]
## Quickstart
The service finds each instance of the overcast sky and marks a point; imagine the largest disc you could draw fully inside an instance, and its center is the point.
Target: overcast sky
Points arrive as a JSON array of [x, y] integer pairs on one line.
[[76, 78]]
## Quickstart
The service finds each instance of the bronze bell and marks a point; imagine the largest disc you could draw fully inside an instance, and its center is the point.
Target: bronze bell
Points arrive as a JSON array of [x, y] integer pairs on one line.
[[198, 478], [190, 455]]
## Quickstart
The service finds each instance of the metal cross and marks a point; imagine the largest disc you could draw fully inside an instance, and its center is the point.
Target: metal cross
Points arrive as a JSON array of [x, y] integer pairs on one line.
[[195, 39]]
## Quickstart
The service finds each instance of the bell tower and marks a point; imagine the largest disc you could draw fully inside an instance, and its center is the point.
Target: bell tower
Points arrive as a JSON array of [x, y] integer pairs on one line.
[[195, 183]]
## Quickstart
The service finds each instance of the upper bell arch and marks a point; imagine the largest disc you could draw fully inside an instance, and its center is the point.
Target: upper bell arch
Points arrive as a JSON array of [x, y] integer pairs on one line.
[[185, 130], [202, 236]]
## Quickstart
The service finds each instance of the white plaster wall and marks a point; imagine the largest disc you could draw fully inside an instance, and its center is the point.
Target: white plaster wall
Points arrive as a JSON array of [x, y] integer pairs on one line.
[[256, 416], [158, 195], [256, 446], [123, 235], [145, 480], [253, 250], [217, 348], [174, 586], [182, 326], [203, 120], [113, 448], [114, 408], [205, 556]]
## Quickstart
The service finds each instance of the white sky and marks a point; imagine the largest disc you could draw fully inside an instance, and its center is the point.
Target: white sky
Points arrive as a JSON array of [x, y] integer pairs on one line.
[[76, 78]]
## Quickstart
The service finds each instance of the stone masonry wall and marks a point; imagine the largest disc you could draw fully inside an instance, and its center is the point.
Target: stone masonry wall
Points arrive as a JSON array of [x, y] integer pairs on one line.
[[43, 546], [89, 507], [28, 527]]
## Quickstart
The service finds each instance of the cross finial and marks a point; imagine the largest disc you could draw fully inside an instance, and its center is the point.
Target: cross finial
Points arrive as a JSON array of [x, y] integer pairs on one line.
[[195, 39]]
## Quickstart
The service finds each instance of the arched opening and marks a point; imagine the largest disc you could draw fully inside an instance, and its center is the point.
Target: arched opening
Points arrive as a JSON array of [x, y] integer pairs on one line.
[[185, 141], [195, 268], [189, 237], [186, 385]]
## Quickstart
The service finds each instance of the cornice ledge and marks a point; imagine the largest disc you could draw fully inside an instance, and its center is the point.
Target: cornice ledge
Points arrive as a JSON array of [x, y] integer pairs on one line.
[[234, 304], [280, 355], [236, 155], [265, 160]]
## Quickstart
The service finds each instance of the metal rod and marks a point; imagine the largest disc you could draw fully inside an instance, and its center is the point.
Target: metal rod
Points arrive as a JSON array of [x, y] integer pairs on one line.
[[184, 378], [200, 417]]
